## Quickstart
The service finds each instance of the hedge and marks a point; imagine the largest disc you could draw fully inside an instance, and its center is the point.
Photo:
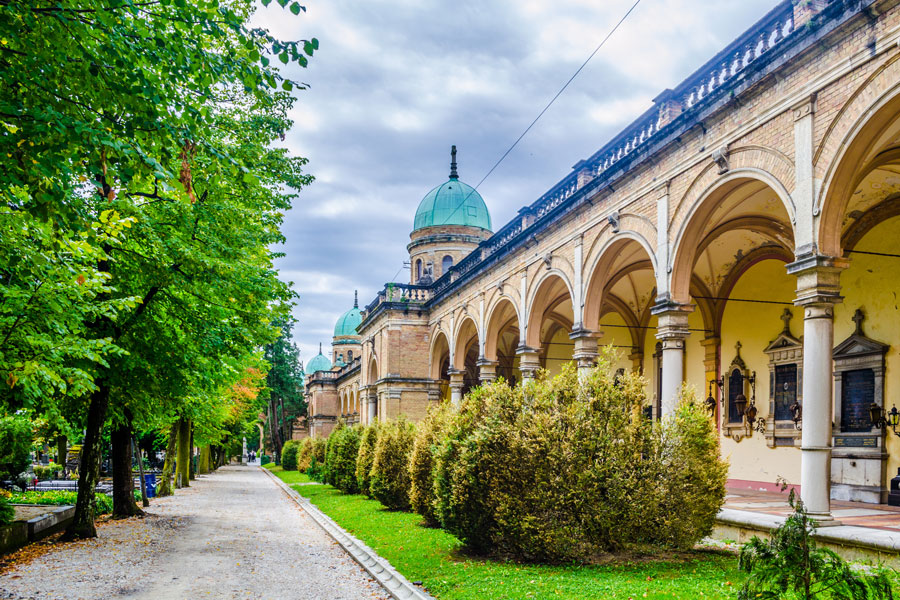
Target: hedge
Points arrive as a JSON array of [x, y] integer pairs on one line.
[[365, 456], [390, 464], [289, 455]]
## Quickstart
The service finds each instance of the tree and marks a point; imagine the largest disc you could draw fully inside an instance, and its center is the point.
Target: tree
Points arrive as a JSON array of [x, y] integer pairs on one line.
[[159, 115], [285, 385]]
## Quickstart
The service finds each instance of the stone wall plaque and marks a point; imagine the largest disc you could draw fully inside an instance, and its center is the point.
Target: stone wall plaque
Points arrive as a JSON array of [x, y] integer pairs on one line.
[[785, 378], [858, 394], [847, 441]]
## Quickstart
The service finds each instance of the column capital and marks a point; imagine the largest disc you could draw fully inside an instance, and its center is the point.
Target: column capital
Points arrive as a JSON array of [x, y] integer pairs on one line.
[[529, 360], [585, 353], [672, 322], [487, 370], [818, 278]]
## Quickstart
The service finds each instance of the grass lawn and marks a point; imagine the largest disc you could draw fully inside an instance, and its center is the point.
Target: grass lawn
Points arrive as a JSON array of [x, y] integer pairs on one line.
[[290, 477], [433, 557]]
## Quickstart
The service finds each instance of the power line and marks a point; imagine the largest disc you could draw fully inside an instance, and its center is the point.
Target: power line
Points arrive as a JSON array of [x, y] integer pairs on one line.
[[549, 104]]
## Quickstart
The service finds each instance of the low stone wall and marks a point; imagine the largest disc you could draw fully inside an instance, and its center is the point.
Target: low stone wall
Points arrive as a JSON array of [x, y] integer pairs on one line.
[[852, 543], [33, 522]]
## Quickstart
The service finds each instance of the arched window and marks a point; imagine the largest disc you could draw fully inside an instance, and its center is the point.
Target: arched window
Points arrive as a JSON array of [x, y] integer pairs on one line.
[[446, 264], [349, 355], [418, 269]]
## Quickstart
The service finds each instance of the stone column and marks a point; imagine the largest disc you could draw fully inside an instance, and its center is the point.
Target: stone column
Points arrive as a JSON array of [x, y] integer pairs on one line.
[[637, 361], [372, 406], [456, 386], [487, 370], [672, 331], [529, 362], [818, 290], [585, 354]]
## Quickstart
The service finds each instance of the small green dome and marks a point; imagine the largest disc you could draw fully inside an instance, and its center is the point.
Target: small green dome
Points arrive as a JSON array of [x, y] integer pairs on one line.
[[319, 362], [349, 321], [452, 203]]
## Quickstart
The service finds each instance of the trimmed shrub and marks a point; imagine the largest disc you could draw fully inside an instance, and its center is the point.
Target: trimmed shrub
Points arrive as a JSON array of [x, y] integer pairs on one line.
[[103, 504], [340, 461], [429, 433], [15, 445], [289, 455], [304, 454], [565, 468], [7, 512], [390, 465], [331, 444], [316, 470], [365, 457]]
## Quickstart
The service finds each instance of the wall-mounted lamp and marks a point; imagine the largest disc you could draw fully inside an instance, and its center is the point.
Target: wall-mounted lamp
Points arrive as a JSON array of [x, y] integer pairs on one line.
[[881, 420], [796, 414]]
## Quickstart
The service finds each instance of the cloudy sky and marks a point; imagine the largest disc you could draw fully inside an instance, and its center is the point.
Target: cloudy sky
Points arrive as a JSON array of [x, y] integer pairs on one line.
[[396, 82]]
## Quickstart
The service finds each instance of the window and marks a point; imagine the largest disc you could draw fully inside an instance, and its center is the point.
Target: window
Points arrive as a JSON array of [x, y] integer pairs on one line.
[[418, 269], [446, 264], [350, 355], [735, 390]]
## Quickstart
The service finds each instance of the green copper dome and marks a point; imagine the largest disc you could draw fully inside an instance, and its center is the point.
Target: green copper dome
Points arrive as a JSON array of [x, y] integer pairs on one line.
[[319, 362], [349, 321], [453, 203]]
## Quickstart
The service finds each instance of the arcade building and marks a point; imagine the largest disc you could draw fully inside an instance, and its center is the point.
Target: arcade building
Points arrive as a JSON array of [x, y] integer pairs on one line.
[[741, 236]]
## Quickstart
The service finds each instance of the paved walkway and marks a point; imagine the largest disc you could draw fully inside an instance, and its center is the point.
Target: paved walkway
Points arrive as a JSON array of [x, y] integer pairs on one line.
[[233, 534], [857, 514]]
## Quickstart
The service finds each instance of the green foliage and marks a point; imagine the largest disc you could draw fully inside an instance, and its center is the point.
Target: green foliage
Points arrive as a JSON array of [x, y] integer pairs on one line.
[[284, 380], [304, 454], [48, 472], [289, 455], [340, 459], [103, 504], [331, 443], [15, 445], [565, 468], [7, 512], [791, 566], [316, 470], [429, 433], [365, 456], [390, 465], [434, 557]]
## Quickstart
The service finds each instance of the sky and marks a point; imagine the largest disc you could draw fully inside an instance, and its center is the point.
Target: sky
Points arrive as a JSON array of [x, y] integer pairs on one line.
[[396, 82]]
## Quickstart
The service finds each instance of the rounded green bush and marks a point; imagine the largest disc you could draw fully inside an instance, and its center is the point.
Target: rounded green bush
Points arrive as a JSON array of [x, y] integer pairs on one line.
[[304, 454], [429, 433], [289, 455], [316, 469], [365, 456], [15, 445], [7, 512], [340, 459], [562, 469], [390, 465], [331, 445]]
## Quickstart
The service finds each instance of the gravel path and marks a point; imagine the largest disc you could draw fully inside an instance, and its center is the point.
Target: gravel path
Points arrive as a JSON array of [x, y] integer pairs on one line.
[[232, 534]]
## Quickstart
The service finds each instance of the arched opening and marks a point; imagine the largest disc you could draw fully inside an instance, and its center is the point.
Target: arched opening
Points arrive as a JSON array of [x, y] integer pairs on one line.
[[729, 264], [446, 263], [440, 363], [466, 353], [502, 338], [418, 270], [860, 221], [550, 320], [621, 289]]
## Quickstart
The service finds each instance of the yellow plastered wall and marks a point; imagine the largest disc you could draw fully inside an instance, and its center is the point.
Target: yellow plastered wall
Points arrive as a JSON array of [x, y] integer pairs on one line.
[[694, 353], [615, 333], [650, 375], [755, 325], [873, 284], [559, 352]]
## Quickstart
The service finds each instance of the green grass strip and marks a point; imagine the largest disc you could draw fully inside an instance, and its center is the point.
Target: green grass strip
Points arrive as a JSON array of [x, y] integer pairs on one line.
[[433, 557]]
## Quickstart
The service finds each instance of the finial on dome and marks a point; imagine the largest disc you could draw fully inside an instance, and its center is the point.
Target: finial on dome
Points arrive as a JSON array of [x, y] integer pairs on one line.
[[320, 347], [355, 298], [453, 173]]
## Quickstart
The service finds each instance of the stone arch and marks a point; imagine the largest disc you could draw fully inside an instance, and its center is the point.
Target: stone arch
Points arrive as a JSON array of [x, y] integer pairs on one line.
[[372, 372], [547, 292], [690, 238], [602, 270], [439, 355], [852, 144], [502, 315], [466, 331]]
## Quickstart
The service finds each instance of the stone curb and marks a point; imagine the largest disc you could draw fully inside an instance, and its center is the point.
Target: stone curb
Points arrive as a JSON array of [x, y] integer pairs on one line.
[[390, 579]]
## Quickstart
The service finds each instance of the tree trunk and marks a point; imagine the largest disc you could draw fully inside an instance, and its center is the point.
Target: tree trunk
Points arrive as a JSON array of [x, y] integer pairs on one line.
[[123, 477], [184, 454], [62, 445], [82, 525], [191, 468], [165, 485], [140, 461], [203, 461]]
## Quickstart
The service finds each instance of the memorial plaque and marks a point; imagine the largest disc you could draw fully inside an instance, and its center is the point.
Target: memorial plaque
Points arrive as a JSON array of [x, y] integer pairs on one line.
[[857, 395], [735, 388], [785, 391], [846, 441]]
